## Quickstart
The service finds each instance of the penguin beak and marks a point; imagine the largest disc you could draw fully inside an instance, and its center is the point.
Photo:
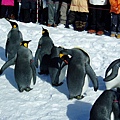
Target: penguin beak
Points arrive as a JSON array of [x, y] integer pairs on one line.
[[61, 55]]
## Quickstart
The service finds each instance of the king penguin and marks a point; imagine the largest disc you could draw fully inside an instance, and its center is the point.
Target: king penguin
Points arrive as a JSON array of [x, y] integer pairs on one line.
[[24, 67], [57, 67], [112, 75], [14, 38], [106, 107], [43, 52], [78, 73]]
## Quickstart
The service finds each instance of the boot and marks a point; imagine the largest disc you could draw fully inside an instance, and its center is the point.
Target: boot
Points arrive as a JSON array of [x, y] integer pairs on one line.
[[77, 25], [80, 26], [71, 17], [84, 25]]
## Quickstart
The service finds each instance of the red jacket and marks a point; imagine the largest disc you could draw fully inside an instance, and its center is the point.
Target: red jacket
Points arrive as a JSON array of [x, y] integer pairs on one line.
[[115, 6]]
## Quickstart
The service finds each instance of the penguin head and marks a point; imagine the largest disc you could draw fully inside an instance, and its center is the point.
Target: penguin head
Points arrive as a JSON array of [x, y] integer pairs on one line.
[[65, 57], [63, 53], [45, 32], [25, 43], [14, 25]]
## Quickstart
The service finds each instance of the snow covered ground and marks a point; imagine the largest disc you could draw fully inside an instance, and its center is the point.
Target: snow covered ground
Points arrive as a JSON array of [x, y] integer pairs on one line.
[[45, 102]]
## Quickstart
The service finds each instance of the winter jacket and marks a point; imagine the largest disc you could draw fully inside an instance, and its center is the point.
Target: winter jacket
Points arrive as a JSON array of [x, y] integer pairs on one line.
[[7, 2], [115, 6], [98, 2], [79, 5]]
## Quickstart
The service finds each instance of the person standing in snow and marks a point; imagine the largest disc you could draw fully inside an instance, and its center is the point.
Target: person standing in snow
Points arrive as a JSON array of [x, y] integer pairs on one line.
[[53, 12], [96, 20], [43, 12], [29, 10], [7, 9], [64, 12], [115, 12], [80, 8]]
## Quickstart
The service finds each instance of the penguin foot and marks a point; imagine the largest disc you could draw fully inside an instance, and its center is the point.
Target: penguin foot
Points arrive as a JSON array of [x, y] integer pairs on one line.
[[57, 84], [21, 89], [28, 89], [76, 97], [79, 97], [70, 98]]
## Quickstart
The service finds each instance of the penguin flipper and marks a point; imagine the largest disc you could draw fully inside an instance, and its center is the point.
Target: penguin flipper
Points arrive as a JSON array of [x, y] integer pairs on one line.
[[92, 76], [33, 71], [113, 74], [6, 52], [7, 64], [36, 57]]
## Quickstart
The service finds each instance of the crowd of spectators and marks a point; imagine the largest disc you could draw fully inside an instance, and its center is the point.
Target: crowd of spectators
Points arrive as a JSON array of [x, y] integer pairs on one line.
[[95, 16]]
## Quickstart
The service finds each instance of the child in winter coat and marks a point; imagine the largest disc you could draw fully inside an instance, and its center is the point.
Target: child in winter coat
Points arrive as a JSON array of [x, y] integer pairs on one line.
[[115, 11], [80, 10], [96, 17], [7, 9]]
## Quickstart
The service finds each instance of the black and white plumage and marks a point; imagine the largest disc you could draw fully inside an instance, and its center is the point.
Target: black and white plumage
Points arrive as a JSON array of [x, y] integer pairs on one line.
[[25, 69], [78, 73], [14, 38], [43, 52], [112, 75], [106, 107]]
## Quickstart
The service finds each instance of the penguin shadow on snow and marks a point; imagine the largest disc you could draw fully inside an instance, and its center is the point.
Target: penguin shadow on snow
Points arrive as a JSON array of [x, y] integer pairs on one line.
[[2, 54], [62, 88], [9, 74], [78, 111], [101, 84]]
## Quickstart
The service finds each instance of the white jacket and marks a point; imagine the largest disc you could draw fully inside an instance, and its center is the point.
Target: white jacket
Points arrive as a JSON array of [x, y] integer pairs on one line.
[[98, 2]]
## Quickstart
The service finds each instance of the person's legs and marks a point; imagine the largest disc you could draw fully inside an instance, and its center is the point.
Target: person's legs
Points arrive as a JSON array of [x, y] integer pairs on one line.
[[11, 14], [118, 26], [25, 4], [33, 13], [56, 12], [63, 13], [114, 25], [3, 11], [50, 13], [92, 19]]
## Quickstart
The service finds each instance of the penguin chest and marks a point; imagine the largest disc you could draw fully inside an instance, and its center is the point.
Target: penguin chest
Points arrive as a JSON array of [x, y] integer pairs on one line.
[[114, 82], [112, 116], [63, 74], [86, 84]]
